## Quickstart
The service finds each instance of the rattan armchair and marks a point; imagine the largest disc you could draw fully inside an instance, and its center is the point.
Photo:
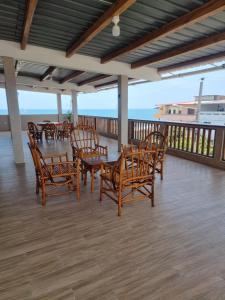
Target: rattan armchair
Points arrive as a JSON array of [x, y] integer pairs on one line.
[[132, 174], [50, 131], [65, 131], [34, 131], [85, 143], [54, 171], [156, 141]]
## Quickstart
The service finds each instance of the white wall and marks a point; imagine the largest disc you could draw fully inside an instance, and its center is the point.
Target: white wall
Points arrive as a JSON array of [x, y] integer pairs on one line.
[[4, 120]]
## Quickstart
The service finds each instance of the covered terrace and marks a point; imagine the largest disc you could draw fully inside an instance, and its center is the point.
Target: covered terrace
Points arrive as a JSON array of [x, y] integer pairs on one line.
[[79, 249]]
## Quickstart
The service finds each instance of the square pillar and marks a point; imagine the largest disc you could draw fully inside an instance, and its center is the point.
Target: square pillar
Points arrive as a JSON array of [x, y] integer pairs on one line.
[[122, 111], [59, 107], [13, 108], [74, 106]]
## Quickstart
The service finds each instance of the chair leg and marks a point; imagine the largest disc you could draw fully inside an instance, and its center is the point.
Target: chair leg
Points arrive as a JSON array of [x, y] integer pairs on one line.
[[161, 170], [152, 195], [85, 177], [92, 179], [82, 171], [101, 187], [119, 202], [78, 187], [37, 184], [43, 188]]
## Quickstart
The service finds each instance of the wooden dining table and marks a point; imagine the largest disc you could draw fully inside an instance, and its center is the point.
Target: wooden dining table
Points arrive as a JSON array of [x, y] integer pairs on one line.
[[43, 123]]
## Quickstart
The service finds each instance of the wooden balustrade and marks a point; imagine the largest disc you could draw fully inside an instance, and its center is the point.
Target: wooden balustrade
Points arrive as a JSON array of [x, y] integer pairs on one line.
[[198, 142]]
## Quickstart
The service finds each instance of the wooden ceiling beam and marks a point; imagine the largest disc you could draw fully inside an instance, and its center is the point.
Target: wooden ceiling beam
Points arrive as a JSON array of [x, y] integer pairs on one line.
[[71, 76], [115, 9], [30, 9], [204, 11], [47, 73], [93, 79], [193, 62], [18, 66], [187, 48], [106, 84], [109, 83]]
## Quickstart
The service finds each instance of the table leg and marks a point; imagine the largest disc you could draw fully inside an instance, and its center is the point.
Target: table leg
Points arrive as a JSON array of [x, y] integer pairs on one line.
[[92, 179]]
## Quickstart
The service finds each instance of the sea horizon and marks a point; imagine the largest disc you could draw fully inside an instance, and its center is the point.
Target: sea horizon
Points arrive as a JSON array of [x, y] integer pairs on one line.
[[141, 114]]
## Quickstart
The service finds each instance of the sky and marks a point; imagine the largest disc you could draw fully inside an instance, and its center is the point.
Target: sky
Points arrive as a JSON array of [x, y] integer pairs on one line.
[[140, 96]]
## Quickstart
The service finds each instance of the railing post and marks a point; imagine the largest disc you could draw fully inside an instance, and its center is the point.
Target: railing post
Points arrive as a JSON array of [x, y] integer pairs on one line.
[[219, 139], [130, 130], [108, 127], [163, 129]]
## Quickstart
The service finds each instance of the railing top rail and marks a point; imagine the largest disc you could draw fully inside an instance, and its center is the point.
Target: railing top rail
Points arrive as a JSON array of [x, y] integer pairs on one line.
[[99, 117], [196, 125]]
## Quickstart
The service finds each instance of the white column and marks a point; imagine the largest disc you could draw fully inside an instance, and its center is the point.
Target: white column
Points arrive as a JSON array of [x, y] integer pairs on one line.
[[59, 107], [122, 111], [74, 106], [13, 108]]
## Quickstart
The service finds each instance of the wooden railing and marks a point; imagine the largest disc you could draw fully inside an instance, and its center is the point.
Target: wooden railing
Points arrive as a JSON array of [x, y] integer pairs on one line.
[[198, 142]]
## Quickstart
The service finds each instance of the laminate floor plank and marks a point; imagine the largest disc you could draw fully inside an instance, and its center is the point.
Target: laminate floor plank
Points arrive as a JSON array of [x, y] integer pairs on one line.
[[81, 250]]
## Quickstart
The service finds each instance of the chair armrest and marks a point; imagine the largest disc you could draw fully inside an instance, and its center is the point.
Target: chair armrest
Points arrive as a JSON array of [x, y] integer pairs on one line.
[[106, 168], [102, 149], [61, 168], [69, 162], [55, 158]]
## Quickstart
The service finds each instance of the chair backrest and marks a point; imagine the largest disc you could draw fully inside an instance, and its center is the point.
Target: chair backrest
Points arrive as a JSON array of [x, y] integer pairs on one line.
[[32, 128], [82, 139], [154, 141], [50, 127], [83, 126], [31, 145], [133, 165], [67, 126], [38, 159]]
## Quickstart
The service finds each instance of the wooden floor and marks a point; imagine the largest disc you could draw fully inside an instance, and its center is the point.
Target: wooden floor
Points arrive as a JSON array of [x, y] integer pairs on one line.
[[82, 250]]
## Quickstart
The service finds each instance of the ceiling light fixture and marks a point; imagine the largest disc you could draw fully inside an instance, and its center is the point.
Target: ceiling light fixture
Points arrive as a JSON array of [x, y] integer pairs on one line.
[[116, 27]]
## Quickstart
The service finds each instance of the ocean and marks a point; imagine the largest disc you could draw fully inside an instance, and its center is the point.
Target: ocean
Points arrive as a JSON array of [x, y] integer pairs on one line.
[[140, 114]]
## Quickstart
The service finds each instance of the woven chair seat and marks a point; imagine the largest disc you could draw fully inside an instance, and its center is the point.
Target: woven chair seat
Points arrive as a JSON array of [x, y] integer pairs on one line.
[[58, 170], [115, 177]]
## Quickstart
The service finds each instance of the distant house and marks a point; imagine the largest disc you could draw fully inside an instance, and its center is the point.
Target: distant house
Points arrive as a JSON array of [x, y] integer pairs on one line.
[[212, 110]]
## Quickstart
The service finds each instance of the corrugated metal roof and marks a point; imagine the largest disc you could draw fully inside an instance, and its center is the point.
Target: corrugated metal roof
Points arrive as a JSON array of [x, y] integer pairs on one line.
[[57, 23], [35, 70]]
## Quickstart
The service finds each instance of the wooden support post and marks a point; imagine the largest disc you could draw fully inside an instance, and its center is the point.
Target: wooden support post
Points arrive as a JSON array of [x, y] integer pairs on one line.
[[59, 107], [122, 111], [13, 108], [74, 106], [219, 140]]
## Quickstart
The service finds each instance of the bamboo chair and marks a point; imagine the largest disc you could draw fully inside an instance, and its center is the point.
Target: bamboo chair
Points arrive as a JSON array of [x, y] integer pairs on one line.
[[84, 126], [132, 173], [156, 141], [34, 131], [85, 143], [50, 131], [65, 131], [54, 171]]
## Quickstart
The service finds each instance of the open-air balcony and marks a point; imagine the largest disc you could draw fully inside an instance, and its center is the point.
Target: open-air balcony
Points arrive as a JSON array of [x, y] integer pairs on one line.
[[74, 246]]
